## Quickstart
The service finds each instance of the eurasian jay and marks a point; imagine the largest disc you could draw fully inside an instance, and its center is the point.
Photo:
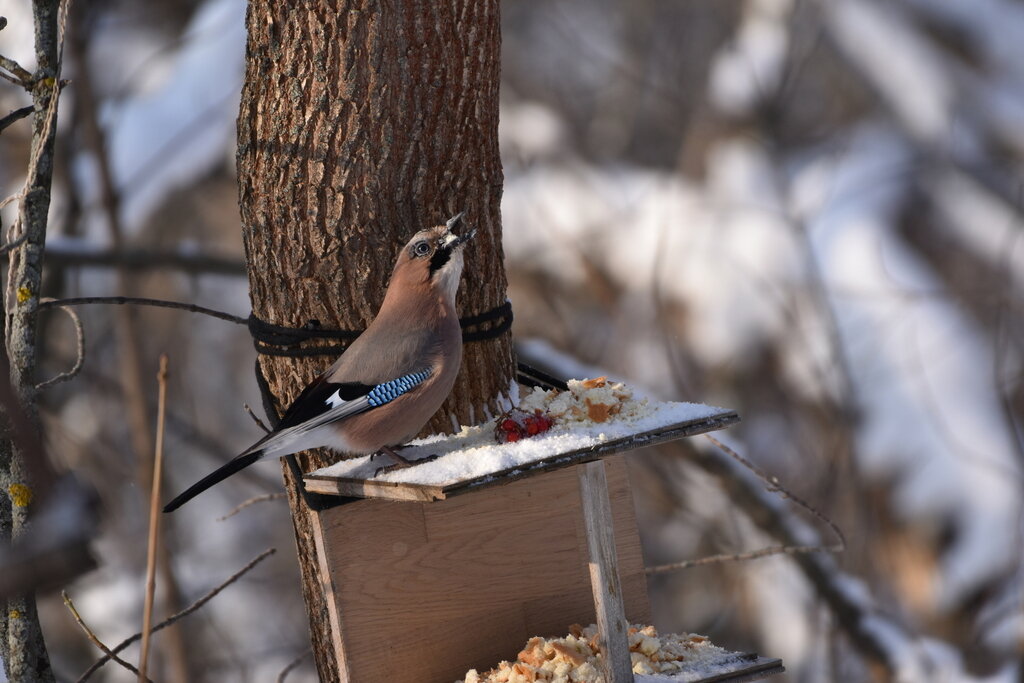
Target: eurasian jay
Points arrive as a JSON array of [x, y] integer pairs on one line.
[[392, 378]]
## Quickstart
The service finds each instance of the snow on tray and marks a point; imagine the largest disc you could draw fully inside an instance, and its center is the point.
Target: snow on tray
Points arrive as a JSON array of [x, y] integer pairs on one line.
[[656, 658], [721, 665], [473, 452]]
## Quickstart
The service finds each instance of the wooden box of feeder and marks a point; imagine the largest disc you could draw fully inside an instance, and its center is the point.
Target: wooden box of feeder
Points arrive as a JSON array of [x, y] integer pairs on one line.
[[421, 592], [425, 581]]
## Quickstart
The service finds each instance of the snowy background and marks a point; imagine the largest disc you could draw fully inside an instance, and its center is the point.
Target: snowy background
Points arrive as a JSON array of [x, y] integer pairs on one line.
[[809, 211]]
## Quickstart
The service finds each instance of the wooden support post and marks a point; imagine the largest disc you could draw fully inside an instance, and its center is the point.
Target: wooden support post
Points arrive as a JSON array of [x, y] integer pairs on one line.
[[604, 574]]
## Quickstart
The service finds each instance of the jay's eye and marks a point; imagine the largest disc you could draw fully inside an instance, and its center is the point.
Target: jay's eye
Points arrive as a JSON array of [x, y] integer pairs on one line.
[[421, 248]]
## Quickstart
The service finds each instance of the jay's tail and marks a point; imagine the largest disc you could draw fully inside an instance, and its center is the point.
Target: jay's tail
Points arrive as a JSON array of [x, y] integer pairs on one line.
[[215, 477]]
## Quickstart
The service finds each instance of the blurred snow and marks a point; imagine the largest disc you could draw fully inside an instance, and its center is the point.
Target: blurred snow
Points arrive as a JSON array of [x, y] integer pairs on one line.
[[170, 134], [529, 131], [716, 250], [17, 41], [742, 75], [906, 70], [907, 354], [985, 225], [996, 28], [729, 253]]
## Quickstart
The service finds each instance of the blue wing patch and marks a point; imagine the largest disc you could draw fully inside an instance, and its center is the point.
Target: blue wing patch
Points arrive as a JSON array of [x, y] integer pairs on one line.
[[389, 391]]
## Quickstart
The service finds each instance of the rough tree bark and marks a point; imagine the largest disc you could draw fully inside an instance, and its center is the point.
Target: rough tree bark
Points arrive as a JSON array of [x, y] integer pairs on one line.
[[360, 123], [21, 640]]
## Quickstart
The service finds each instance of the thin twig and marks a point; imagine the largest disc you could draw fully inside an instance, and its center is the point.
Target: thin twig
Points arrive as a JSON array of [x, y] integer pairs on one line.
[[292, 664], [880, 639], [16, 70], [737, 557], [154, 517], [180, 615], [772, 484], [15, 116], [79, 350], [141, 301], [92, 636], [49, 122], [4, 250], [252, 501], [256, 419], [13, 79], [72, 255]]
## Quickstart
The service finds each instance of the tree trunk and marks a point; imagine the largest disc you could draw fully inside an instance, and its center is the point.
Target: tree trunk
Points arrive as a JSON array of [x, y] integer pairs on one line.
[[21, 480], [361, 123]]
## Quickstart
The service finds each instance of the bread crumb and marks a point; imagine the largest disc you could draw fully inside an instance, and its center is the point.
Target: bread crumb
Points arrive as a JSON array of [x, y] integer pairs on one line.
[[573, 659], [591, 401]]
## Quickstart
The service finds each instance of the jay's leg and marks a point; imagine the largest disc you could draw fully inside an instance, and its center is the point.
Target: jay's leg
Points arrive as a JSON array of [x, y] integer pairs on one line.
[[388, 450], [402, 463]]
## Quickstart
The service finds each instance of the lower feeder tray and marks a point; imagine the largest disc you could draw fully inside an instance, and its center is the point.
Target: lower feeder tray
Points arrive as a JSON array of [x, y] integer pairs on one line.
[[453, 564]]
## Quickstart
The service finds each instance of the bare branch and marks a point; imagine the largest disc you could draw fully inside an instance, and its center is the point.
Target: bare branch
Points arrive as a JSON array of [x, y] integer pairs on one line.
[[92, 636], [141, 301], [180, 615], [80, 352], [8, 77], [15, 116], [256, 419], [4, 250], [771, 484], [854, 615], [154, 517], [252, 501], [141, 259], [774, 486], [736, 557], [21, 75], [292, 664]]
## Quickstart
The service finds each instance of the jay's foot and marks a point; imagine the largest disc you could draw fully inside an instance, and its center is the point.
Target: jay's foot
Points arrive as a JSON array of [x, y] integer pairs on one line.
[[402, 463]]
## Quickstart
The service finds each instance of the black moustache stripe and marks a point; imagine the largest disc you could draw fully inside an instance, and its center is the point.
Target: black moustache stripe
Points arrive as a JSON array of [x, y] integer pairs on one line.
[[440, 257]]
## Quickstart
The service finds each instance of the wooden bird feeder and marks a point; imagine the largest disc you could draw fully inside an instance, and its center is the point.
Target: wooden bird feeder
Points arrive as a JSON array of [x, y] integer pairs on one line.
[[427, 580]]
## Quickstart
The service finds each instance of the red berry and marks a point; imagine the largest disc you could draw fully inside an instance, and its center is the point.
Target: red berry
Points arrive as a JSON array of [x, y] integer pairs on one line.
[[509, 425], [512, 437]]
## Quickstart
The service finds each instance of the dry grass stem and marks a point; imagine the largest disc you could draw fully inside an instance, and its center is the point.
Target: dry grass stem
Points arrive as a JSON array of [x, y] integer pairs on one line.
[[154, 519]]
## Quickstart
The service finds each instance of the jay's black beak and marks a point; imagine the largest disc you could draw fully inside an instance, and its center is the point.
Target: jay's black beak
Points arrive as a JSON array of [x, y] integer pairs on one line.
[[454, 220], [453, 241]]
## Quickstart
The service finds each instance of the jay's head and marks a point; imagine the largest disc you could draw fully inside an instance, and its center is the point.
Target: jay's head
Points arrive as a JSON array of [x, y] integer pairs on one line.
[[434, 256]]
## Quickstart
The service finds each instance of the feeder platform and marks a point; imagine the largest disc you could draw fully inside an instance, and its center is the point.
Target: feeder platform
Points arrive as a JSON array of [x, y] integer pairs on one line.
[[454, 564]]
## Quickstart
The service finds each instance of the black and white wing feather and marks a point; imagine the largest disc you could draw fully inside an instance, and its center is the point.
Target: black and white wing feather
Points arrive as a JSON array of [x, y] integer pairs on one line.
[[306, 423]]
